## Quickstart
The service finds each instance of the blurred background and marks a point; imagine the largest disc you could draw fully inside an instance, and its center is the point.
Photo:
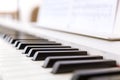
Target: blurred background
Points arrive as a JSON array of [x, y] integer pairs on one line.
[[20, 10], [23, 10]]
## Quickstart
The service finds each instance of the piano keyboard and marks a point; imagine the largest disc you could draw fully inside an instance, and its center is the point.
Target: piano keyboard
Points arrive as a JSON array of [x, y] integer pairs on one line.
[[41, 59]]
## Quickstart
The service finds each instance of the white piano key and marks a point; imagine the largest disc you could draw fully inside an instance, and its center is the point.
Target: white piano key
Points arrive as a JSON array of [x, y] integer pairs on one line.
[[16, 66]]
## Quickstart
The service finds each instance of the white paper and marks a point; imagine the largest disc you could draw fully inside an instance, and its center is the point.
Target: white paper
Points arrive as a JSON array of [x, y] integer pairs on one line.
[[79, 16], [93, 15]]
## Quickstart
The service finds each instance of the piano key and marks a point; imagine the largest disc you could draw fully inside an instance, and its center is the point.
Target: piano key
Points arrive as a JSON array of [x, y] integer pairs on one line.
[[29, 47], [29, 70], [12, 41], [33, 41], [22, 46], [41, 55], [7, 38], [97, 74], [50, 61], [1, 77], [33, 51], [17, 41], [10, 38], [4, 36], [69, 66], [21, 71]]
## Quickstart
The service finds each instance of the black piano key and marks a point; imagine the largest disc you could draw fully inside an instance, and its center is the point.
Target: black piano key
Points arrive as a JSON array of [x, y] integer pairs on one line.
[[50, 61], [29, 47], [41, 55], [69, 66], [30, 42], [22, 46], [4, 36], [10, 38], [12, 41], [97, 74], [33, 51], [7, 38], [16, 43]]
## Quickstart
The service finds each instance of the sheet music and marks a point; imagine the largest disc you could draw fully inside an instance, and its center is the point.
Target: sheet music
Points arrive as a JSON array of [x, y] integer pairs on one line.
[[93, 16], [79, 16]]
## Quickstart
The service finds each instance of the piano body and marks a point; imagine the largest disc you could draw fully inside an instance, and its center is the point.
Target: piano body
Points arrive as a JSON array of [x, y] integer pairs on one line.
[[59, 52]]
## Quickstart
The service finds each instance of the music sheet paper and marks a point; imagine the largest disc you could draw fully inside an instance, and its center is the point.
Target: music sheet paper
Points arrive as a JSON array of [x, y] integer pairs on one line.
[[79, 16], [94, 16]]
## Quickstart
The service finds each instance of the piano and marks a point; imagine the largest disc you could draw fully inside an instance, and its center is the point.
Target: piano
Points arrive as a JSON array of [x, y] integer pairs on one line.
[[57, 54], [41, 59]]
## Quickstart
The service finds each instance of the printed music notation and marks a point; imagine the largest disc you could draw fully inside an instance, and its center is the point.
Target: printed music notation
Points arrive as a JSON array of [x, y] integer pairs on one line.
[[79, 15]]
